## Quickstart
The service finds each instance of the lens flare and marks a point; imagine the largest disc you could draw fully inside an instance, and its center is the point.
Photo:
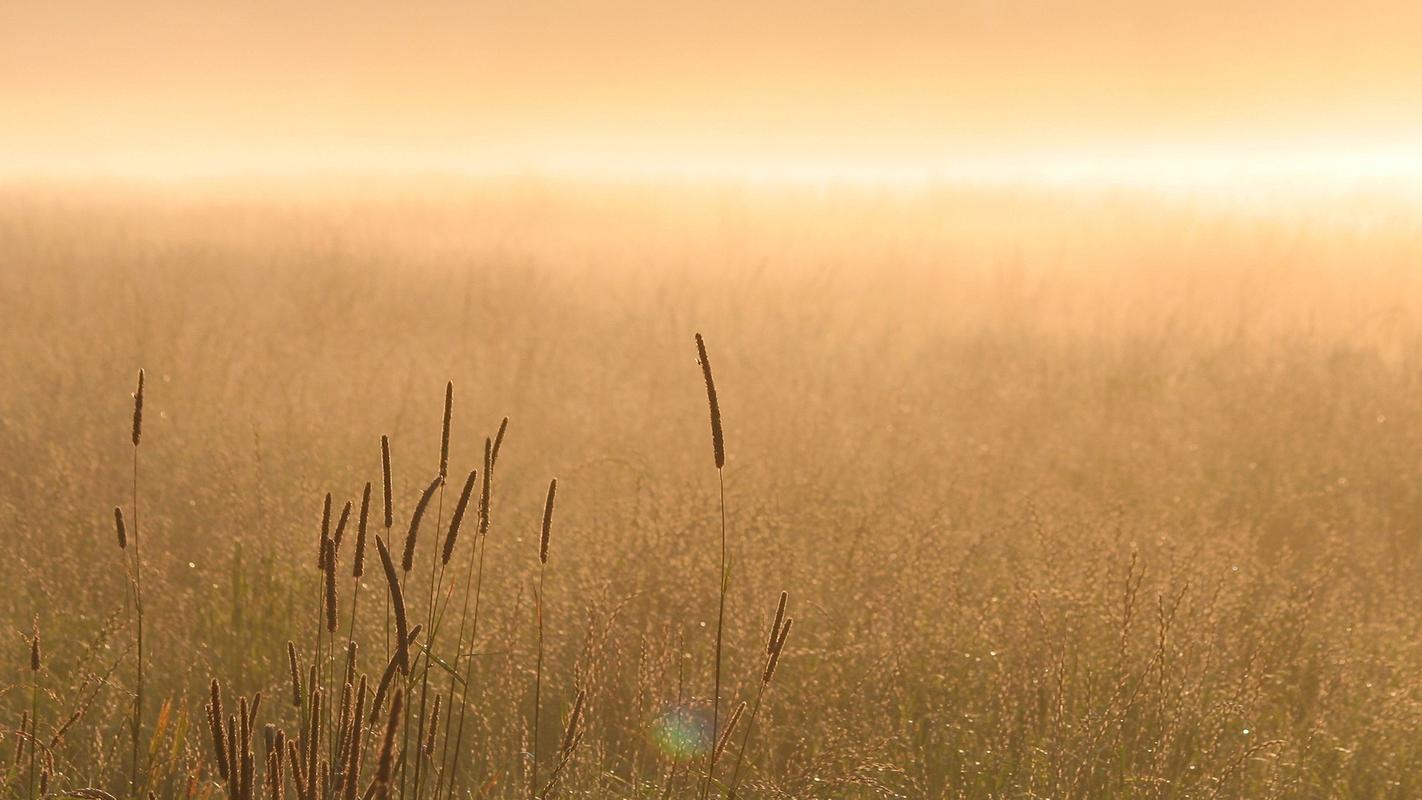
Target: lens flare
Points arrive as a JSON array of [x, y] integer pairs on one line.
[[683, 732]]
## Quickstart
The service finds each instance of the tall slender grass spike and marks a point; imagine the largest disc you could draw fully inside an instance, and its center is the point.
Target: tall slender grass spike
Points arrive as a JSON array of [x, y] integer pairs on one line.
[[458, 518], [408, 561], [386, 480], [397, 600], [547, 521], [358, 560], [138, 410], [718, 444], [444, 430], [121, 528]]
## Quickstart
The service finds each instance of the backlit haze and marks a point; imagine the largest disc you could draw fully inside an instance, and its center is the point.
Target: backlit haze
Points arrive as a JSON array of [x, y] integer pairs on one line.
[[1167, 93]]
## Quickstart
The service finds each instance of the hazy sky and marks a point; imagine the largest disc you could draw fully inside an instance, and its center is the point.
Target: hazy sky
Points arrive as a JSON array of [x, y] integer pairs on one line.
[[791, 87]]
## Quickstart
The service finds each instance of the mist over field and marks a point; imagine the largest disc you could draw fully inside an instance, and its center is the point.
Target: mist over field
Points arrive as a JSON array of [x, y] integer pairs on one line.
[[1074, 494], [752, 401]]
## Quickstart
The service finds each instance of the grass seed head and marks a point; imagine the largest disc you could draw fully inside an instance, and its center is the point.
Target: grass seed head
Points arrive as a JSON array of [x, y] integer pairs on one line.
[[547, 522], [138, 410], [718, 444], [386, 480]]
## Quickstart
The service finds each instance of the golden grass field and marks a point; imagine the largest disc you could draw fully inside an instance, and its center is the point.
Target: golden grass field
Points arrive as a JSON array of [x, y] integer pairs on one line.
[[1074, 494]]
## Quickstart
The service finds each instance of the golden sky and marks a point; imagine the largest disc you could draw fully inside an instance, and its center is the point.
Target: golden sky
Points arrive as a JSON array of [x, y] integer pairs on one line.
[[897, 89]]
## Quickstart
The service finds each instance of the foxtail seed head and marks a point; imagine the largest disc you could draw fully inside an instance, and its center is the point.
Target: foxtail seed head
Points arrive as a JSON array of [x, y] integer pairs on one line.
[[219, 735], [444, 429], [386, 478], [485, 490], [498, 442], [325, 533], [774, 658], [407, 563], [138, 410], [434, 727], [547, 522], [730, 726], [775, 627], [718, 444], [458, 518], [575, 724], [340, 532], [385, 762], [358, 561], [330, 577], [397, 601], [35, 649], [122, 530], [295, 674]]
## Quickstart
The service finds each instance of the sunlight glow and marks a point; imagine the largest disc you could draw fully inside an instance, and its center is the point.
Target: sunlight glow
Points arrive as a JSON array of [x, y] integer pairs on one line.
[[1240, 171]]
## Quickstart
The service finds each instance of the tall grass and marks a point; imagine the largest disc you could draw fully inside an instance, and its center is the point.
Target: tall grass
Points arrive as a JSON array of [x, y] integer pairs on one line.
[[137, 434], [718, 452], [315, 776], [543, 542], [1137, 518]]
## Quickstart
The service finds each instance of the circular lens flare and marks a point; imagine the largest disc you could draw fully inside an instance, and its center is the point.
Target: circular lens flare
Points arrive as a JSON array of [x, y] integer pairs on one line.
[[682, 732]]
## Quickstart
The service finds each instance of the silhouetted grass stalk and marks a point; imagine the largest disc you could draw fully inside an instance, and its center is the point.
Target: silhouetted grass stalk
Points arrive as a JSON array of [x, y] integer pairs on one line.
[[718, 451], [779, 629], [137, 434], [436, 579], [386, 480], [34, 703], [538, 614], [407, 564], [482, 545]]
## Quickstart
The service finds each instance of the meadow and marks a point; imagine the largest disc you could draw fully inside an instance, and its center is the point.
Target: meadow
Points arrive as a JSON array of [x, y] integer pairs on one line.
[[1073, 494]]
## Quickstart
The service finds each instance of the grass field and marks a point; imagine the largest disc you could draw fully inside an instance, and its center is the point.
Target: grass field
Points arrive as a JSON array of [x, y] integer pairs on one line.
[[1073, 495]]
